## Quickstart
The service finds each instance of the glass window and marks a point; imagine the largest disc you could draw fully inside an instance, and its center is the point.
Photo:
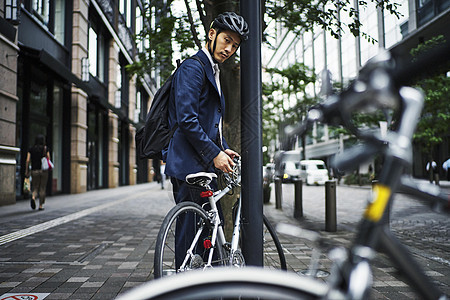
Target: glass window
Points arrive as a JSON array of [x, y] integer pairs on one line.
[[122, 6], [423, 2], [38, 92], [41, 9], [101, 57], [125, 10], [309, 56], [57, 144], [139, 27], [369, 19], [392, 24], [137, 109], [59, 20], [319, 53], [128, 14], [333, 57], [92, 52], [118, 93]]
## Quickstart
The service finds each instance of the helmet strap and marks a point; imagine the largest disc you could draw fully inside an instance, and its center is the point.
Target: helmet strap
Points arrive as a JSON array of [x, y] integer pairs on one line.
[[214, 47]]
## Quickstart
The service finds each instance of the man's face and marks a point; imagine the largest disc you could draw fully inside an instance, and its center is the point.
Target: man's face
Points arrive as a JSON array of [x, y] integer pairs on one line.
[[227, 43]]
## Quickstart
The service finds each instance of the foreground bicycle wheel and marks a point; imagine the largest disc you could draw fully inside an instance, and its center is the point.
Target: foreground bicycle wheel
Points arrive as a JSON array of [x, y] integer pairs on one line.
[[164, 260], [274, 257], [232, 283]]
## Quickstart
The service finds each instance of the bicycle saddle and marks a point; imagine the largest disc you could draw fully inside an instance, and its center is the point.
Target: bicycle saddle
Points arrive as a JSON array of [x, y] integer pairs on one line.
[[200, 178]]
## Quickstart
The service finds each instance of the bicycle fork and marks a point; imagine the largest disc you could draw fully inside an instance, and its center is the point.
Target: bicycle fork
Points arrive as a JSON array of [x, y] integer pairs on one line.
[[236, 233]]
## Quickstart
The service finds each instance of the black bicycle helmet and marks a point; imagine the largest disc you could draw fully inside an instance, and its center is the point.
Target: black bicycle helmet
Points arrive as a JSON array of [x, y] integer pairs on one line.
[[232, 21]]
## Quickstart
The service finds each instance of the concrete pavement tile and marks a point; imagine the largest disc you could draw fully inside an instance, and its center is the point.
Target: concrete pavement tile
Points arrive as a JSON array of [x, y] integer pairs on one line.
[[32, 270], [130, 284], [92, 267], [93, 284], [78, 279], [10, 284], [396, 283], [128, 265], [82, 295], [434, 274], [59, 296]]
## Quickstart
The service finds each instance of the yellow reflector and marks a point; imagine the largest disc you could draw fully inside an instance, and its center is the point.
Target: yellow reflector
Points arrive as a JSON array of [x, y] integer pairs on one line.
[[285, 176], [375, 210]]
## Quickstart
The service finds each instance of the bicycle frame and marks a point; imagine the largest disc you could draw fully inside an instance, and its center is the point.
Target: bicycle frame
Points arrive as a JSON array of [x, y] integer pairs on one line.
[[218, 240]]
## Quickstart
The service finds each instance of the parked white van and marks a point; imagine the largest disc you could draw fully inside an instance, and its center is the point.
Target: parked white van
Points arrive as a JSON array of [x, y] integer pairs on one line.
[[313, 172], [291, 170]]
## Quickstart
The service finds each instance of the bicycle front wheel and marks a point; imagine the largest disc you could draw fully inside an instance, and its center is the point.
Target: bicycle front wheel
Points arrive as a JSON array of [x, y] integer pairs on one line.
[[233, 283], [185, 227], [274, 257]]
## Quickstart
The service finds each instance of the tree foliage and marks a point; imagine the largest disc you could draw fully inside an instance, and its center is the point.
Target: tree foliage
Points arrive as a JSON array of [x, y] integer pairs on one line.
[[304, 15], [434, 123], [286, 99], [156, 38], [179, 24]]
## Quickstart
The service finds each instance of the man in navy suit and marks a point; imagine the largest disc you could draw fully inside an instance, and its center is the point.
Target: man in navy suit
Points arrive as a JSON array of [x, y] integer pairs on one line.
[[197, 105]]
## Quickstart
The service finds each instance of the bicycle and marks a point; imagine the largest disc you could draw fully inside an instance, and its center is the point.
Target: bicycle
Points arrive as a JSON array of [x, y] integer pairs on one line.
[[377, 87], [209, 247]]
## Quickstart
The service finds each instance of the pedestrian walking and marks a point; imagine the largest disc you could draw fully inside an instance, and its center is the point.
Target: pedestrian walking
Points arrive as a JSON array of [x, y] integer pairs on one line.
[[38, 175], [433, 170], [159, 175], [197, 105]]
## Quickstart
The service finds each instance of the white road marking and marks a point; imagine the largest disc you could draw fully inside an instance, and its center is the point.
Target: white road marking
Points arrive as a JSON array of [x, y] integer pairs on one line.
[[62, 220]]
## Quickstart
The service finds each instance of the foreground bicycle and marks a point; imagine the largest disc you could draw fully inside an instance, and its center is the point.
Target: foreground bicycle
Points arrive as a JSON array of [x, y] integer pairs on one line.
[[376, 88], [209, 247]]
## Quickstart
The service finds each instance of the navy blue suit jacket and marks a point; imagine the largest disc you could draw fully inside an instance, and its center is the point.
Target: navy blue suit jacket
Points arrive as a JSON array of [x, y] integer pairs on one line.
[[197, 107]]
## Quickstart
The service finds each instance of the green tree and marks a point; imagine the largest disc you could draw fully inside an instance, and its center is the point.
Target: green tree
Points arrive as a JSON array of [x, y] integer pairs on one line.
[[291, 83], [434, 123]]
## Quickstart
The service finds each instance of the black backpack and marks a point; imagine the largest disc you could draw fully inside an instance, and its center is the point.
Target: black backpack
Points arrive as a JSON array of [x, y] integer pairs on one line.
[[156, 133]]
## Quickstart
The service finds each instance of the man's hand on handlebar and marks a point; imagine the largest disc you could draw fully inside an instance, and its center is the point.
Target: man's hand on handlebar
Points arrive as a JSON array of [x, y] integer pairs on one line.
[[224, 160]]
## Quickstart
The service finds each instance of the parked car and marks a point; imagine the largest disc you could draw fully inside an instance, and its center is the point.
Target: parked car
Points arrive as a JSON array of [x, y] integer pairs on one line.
[[313, 172], [291, 170]]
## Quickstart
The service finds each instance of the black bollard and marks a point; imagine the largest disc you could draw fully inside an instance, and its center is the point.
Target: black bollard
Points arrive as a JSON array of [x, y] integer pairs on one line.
[[298, 200], [278, 192], [330, 206]]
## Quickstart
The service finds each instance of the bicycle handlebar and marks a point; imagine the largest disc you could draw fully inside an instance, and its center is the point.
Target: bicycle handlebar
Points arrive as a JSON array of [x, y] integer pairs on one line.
[[351, 158], [375, 88]]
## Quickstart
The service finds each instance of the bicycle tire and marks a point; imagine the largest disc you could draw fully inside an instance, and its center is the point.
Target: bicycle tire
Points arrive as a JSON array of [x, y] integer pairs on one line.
[[272, 260], [164, 259], [233, 283]]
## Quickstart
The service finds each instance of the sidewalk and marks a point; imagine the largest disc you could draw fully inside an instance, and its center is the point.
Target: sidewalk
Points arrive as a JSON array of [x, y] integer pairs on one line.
[[99, 244]]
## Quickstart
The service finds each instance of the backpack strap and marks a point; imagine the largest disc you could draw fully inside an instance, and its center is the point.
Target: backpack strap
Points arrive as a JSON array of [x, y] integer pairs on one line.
[[195, 57]]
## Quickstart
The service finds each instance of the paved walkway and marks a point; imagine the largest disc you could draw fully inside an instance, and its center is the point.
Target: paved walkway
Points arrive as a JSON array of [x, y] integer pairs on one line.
[[99, 244]]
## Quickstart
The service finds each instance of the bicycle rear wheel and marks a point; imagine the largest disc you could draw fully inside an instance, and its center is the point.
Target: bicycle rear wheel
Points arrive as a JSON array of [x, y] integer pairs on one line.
[[233, 283], [165, 260], [273, 251]]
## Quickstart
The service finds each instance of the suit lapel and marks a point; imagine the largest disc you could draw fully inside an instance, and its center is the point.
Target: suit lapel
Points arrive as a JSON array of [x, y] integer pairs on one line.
[[209, 72]]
